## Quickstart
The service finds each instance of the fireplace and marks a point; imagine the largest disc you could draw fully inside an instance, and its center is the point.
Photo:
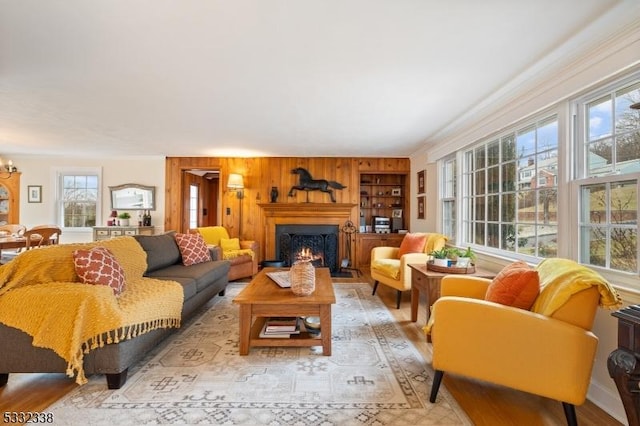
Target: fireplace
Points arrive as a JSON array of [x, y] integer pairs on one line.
[[316, 243]]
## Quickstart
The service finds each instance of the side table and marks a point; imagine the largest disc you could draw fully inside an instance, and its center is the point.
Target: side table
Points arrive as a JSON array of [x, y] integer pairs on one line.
[[428, 281], [624, 363]]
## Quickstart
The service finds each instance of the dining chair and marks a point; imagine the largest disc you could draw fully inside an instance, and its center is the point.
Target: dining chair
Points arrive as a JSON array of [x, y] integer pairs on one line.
[[42, 235]]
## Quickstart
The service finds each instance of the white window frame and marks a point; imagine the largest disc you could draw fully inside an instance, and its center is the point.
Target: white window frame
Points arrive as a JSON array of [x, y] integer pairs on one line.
[[580, 177], [465, 237], [450, 226], [58, 174]]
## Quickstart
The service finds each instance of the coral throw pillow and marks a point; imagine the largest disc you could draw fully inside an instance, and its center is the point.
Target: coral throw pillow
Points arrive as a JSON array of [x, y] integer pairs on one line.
[[516, 285], [412, 243], [99, 266], [228, 244], [193, 249]]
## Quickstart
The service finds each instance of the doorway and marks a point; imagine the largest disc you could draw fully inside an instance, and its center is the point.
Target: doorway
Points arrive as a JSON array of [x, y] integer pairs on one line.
[[200, 203]]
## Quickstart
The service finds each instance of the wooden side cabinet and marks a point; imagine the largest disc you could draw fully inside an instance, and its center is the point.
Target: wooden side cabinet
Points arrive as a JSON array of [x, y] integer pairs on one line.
[[624, 363], [107, 232], [10, 199], [367, 241]]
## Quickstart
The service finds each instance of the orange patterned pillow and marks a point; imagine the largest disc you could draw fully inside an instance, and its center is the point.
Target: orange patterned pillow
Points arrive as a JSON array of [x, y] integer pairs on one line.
[[99, 266], [516, 285], [193, 249], [412, 243]]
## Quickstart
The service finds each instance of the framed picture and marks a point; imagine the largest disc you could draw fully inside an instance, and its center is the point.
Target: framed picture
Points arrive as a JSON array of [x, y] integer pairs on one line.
[[421, 207], [396, 192], [396, 213], [34, 193], [421, 182]]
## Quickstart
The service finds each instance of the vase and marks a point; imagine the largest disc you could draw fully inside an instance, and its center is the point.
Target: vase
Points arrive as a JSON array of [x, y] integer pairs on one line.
[[303, 278], [441, 262], [124, 222], [274, 194]]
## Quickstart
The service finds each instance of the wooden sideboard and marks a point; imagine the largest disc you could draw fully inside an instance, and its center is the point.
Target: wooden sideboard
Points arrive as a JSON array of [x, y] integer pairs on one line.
[[107, 232], [365, 242]]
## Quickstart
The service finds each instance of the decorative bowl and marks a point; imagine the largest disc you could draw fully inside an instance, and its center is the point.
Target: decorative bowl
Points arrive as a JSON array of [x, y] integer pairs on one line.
[[312, 324]]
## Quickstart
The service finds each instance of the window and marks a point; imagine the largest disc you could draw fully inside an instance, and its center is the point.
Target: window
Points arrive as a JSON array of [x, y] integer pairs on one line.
[[608, 176], [509, 187], [78, 198], [449, 190], [193, 205]]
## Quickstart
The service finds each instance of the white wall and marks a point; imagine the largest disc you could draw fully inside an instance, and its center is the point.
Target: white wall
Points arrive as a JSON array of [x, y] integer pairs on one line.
[[614, 57], [115, 171]]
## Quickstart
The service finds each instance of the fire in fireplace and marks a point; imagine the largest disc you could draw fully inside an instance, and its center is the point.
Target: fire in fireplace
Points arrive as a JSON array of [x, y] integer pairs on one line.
[[316, 243]]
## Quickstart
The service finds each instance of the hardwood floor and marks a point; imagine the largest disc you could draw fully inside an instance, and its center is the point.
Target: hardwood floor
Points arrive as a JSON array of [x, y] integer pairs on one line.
[[484, 403]]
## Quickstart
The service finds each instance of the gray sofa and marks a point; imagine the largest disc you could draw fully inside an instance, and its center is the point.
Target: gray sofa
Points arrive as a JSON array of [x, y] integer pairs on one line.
[[200, 283]]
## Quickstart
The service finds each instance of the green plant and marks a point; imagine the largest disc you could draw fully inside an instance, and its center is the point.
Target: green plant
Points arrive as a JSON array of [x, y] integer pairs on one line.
[[467, 253], [440, 254], [124, 215]]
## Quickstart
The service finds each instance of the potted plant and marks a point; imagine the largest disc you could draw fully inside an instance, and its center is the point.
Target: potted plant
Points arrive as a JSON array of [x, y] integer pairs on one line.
[[440, 257], [124, 218], [465, 258]]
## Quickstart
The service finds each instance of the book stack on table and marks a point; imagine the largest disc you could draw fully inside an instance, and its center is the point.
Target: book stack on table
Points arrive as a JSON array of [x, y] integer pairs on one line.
[[280, 327]]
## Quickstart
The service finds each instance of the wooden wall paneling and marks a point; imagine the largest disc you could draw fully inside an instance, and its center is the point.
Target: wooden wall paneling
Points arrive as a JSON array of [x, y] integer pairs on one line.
[[260, 174]]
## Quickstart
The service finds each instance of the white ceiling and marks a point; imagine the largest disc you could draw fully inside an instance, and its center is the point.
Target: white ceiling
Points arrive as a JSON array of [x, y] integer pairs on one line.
[[263, 77]]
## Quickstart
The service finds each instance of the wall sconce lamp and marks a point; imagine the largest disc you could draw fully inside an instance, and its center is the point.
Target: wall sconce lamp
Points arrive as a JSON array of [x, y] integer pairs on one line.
[[9, 167], [236, 183]]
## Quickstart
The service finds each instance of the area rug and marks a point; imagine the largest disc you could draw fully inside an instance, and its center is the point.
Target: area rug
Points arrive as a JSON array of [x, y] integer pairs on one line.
[[375, 376]]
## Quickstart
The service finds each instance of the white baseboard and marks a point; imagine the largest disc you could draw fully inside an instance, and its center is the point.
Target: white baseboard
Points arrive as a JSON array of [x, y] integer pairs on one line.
[[608, 401]]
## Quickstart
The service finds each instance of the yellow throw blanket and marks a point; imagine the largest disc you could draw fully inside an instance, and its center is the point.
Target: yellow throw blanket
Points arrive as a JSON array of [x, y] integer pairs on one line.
[[41, 295], [561, 278]]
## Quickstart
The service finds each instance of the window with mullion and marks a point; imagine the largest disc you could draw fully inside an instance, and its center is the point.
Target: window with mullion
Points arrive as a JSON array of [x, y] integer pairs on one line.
[[608, 176], [510, 190]]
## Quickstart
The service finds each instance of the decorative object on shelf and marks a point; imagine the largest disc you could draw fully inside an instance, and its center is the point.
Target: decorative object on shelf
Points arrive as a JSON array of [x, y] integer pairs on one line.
[[421, 181], [9, 167], [146, 218], [34, 193], [308, 183], [397, 213], [396, 192], [274, 194], [124, 218], [421, 207], [303, 278]]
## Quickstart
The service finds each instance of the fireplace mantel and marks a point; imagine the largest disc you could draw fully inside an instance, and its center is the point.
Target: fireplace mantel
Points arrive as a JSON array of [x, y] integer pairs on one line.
[[302, 213]]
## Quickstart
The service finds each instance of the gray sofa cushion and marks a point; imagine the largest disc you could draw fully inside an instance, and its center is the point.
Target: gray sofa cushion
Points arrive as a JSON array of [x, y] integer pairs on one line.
[[203, 273], [162, 250]]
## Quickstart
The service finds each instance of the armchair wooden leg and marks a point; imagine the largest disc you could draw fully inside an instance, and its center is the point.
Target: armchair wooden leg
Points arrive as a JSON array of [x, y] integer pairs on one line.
[[570, 414], [375, 287], [398, 297], [437, 379]]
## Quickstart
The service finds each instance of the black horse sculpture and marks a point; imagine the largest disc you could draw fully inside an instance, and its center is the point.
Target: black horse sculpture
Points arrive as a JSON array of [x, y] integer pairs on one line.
[[307, 183]]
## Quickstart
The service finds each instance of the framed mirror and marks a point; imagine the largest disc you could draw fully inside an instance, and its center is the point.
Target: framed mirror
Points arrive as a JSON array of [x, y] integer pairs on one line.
[[132, 196]]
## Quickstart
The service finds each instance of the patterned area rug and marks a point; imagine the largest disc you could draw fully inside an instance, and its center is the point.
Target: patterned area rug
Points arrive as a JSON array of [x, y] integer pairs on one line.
[[375, 376]]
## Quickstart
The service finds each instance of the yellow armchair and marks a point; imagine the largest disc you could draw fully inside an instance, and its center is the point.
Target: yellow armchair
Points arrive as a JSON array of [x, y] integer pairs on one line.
[[392, 270], [548, 354], [243, 255]]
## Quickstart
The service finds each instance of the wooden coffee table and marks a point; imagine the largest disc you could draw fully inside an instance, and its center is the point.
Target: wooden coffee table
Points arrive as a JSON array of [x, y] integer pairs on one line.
[[263, 298]]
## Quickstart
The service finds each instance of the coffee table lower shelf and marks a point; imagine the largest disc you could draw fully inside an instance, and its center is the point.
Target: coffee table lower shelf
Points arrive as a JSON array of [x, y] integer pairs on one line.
[[295, 340]]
